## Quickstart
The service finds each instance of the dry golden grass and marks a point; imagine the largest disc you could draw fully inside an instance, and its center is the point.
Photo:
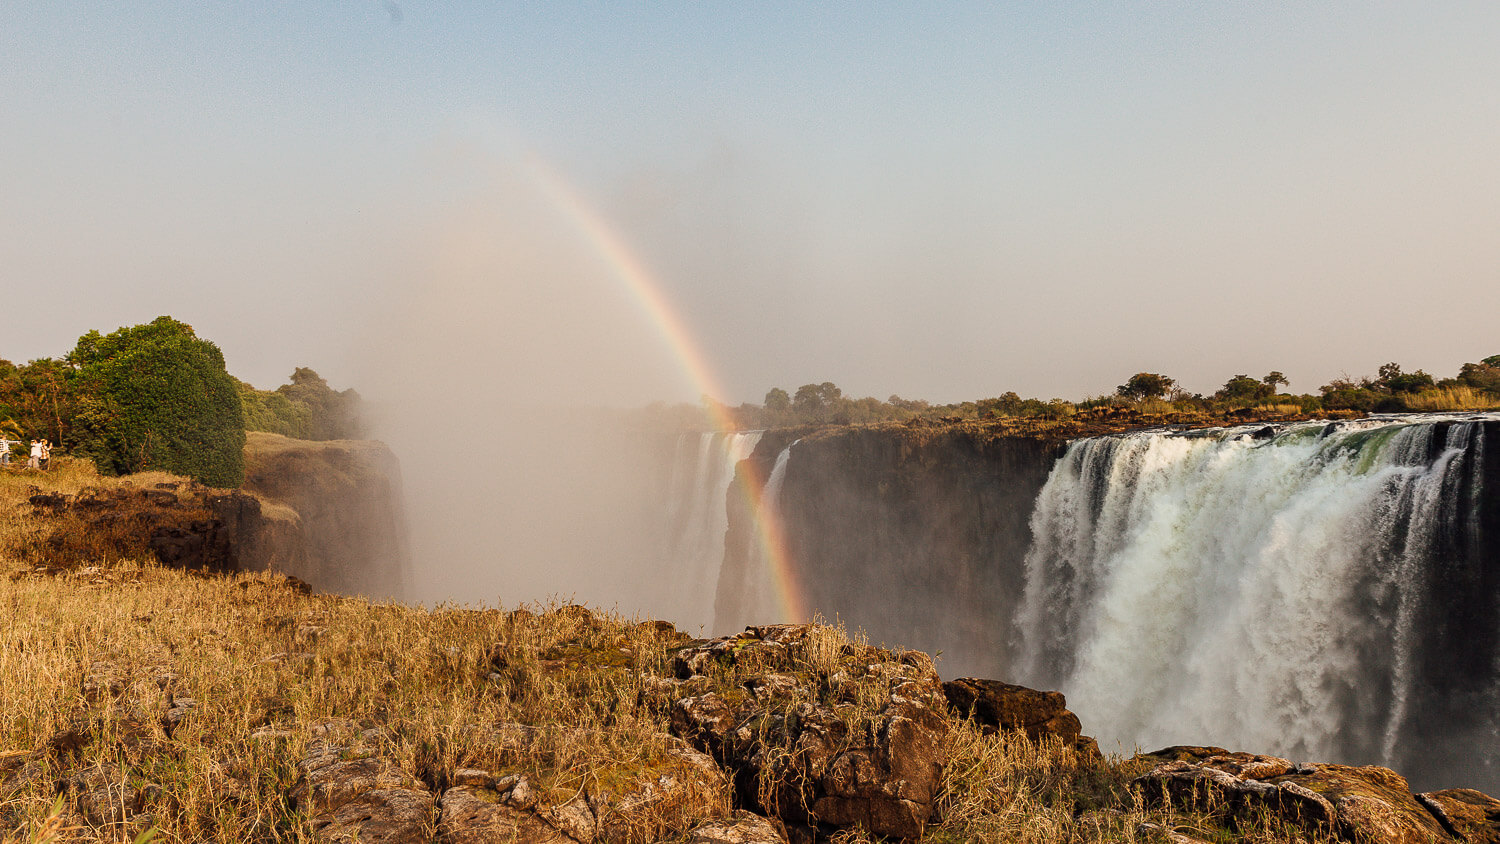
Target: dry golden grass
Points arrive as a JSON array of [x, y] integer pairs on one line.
[[100, 653], [1452, 399]]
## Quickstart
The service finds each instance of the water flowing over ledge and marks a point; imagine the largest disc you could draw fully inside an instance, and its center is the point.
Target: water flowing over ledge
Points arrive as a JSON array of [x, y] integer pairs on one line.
[[1300, 591], [1319, 590]]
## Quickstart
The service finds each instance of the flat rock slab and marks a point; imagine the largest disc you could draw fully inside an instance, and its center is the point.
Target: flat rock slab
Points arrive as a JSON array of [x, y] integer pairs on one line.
[[350, 794], [1472, 815], [1366, 805]]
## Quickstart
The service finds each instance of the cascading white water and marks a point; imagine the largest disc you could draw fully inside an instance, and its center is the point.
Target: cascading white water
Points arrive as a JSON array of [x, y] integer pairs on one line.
[[696, 519], [1262, 592]]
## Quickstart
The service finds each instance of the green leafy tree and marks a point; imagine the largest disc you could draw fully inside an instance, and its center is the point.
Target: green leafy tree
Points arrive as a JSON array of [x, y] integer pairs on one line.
[[331, 414], [1146, 385], [1393, 380], [778, 402], [1275, 379], [1484, 375], [816, 402], [156, 396], [1243, 389]]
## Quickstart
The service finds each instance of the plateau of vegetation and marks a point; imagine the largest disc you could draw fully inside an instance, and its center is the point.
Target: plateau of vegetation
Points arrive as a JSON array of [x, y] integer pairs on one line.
[[1143, 395], [157, 397]]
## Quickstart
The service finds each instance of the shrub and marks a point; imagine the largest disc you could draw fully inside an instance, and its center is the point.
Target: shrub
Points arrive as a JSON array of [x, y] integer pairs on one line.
[[158, 397]]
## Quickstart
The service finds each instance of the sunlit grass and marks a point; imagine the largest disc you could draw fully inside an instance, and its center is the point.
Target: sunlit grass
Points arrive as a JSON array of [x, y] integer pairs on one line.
[[107, 649], [1458, 398]]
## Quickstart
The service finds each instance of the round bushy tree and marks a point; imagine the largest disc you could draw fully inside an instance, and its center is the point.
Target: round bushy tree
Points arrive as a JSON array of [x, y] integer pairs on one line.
[[158, 397]]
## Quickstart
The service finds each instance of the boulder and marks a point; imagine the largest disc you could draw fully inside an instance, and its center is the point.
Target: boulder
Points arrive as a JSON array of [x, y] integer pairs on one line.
[[663, 794], [350, 794], [1366, 805], [1470, 815], [792, 756], [743, 828], [1004, 706], [474, 815]]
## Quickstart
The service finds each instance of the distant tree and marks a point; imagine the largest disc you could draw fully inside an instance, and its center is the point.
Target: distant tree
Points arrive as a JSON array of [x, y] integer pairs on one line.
[[1393, 380], [1243, 389], [1346, 394], [1482, 375], [815, 402], [778, 402], [305, 408], [1146, 385], [912, 405], [1275, 379], [156, 396], [41, 397], [333, 414]]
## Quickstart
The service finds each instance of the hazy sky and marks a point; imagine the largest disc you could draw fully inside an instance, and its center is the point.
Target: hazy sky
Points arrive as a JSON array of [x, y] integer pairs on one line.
[[940, 200]]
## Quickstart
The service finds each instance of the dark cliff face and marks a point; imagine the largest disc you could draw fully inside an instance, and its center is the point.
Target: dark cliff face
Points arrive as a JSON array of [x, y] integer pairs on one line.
[[333, 514], [914, 535], [1459, 666]]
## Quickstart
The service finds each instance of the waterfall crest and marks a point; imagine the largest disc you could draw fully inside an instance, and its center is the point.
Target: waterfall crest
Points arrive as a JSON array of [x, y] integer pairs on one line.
[[1271, 590]]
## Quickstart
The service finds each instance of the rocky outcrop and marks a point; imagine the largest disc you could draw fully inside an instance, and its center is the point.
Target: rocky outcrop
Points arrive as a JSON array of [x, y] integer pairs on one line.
[[327, 513], [1002, 706], [1364, 805], [344, 498], [183, 524], [350, 792], [798, 746], [1468, 814]]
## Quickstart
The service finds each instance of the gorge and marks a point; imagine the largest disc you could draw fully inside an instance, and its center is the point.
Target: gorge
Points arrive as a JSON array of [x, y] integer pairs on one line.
[[1316, 589]]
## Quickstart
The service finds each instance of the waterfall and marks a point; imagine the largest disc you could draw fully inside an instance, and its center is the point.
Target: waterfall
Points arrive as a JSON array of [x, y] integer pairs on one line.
[[747, 592], [763, 600], [696, 519], [1265, 590]]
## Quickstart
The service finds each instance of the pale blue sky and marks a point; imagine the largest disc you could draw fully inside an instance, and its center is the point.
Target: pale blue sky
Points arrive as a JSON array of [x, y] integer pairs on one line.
[[944, 200]]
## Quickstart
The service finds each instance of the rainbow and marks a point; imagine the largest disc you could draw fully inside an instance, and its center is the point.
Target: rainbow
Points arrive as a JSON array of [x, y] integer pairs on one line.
[[628, 268]]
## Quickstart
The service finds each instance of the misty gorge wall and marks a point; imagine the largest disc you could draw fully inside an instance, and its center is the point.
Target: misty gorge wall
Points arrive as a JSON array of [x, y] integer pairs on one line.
[[331, 513], [914, 534]]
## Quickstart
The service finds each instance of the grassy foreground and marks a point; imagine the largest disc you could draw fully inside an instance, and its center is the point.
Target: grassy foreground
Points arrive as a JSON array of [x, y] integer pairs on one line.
[[141, 703]]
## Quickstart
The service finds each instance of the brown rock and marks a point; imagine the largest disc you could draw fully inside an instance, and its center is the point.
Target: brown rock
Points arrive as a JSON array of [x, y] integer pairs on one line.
[[743, 828], [703, 720], [469, 815], [1004, 706], [1367, 805], [350, 794], [1470, 815], [380, 816], [106, 802], [806, 763]]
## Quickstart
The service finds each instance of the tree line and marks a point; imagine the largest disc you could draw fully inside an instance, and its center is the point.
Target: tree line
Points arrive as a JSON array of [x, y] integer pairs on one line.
[[1475, 387], [157, 396]]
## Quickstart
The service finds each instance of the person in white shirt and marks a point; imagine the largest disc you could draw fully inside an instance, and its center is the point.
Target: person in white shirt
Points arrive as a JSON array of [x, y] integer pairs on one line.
[[36, 455], [5, 445]]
